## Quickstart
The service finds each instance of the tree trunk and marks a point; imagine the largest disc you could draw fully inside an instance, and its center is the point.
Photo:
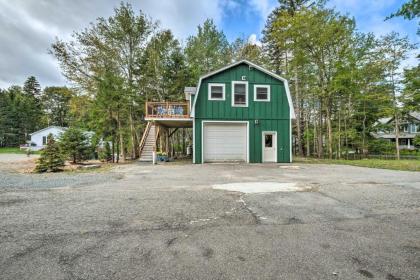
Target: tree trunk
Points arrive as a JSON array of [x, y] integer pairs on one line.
[[298, 120], [329, 130], [122, 150], [397, 135], [184, 152], [308, 148], [364, 130], [320, 140], [133, 135], [339, 134], [113, 148]]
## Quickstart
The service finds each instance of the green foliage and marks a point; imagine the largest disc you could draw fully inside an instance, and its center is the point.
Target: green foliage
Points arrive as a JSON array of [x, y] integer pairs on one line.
[[380, 146], [56, 103], [106, 153], [75, 145], [409, 10], [242, 49], [15, 150], [20, 114], [32, 87], [164, 67], [416, 141], [411, 92], [206, 51], [51, 158]]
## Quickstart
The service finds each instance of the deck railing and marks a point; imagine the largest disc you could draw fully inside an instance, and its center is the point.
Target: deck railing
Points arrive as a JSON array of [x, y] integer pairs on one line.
[[167, 110]]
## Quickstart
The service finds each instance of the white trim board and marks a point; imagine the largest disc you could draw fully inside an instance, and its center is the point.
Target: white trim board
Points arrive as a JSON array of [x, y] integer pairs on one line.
[[286, 84], [220, 121], [193, 142]]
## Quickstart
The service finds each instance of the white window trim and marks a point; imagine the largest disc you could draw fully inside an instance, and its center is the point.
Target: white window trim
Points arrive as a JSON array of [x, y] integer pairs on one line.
[[233, 93], [217, 85], [268, 93]]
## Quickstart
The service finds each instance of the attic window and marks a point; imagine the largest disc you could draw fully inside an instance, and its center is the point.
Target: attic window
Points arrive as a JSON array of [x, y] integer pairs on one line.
[[261, 93], [240, 94], [216, 91]]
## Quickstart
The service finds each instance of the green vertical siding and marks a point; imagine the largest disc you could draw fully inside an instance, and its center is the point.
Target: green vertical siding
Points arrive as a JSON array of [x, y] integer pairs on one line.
[[271, 116], [282, 127]]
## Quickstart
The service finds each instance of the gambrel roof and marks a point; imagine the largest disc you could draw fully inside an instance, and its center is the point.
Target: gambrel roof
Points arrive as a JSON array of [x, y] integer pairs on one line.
[[286, 84]]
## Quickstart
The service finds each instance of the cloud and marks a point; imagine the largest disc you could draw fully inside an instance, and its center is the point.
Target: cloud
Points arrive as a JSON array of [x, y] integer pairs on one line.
[[264, 8], [254, 41], [29, 28]]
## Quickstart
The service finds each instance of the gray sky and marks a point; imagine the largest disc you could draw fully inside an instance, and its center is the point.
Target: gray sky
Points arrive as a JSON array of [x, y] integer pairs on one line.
[[28, 27]]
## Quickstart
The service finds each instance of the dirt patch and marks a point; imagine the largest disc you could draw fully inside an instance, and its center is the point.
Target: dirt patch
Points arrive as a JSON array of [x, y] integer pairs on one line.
[[11, 202], [365, 273]]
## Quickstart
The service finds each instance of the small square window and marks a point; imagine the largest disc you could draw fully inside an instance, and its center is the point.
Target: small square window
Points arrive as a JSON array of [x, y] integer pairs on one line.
[[261, 93], [216, 91]]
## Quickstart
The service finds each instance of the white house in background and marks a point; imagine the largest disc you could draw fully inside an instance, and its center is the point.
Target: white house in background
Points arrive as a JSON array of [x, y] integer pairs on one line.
[[39, 138]]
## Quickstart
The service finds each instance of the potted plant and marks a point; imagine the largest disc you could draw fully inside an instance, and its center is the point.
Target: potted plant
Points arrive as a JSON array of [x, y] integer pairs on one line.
[[162, 156]]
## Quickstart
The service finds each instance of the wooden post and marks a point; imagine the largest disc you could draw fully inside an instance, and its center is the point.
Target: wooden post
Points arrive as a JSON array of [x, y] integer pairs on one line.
[[167, 149]]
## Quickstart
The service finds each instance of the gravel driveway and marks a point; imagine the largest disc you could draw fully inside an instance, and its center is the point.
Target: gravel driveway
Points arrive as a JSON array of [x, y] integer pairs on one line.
[[170, 222]]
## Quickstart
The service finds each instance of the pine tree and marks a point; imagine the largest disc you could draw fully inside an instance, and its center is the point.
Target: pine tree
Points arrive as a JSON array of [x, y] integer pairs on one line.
[[51, 158], [32, 87], [74, 144]]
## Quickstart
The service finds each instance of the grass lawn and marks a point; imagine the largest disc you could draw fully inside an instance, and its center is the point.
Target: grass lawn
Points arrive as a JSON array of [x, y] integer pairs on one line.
[[13, 150], [407, 165]]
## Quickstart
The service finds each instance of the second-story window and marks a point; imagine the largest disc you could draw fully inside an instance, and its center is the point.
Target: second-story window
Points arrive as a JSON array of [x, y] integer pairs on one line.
[[216, 91], [240, 94], [261, 93]]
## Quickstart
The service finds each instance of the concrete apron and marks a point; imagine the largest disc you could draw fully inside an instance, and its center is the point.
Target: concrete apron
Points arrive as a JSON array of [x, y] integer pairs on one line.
[[260, 187]]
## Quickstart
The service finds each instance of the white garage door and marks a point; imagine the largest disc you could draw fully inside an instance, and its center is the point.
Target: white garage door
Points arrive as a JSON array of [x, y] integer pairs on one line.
[[225, 142]]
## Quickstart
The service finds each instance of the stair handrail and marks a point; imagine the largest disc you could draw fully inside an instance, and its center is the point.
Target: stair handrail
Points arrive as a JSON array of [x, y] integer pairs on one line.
[[143, 138]]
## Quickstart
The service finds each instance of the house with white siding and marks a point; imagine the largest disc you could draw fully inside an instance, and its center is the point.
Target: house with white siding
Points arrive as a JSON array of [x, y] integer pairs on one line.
[[39, 138]]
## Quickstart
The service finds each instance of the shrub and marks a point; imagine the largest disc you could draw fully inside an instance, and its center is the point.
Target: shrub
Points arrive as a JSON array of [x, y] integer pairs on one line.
[[51, 158], [75, 145], [381, 146], [106, 153], [416, 141]]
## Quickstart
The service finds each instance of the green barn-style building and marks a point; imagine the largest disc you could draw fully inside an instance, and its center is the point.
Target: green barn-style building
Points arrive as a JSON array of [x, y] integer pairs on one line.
[[241, 112]]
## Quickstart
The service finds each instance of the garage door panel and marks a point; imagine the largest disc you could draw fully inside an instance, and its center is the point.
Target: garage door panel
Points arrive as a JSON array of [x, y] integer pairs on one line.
[[225, 142]]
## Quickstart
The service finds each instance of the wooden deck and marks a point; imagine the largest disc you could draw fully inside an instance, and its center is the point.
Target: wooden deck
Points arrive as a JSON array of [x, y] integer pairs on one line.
[[167, 110]]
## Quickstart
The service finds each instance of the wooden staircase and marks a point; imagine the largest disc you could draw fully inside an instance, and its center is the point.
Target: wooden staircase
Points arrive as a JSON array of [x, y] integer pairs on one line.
[[148, 143]]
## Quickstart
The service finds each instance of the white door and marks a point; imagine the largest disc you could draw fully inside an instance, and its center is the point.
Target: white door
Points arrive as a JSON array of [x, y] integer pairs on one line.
[[224, 142], [269, 143]]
